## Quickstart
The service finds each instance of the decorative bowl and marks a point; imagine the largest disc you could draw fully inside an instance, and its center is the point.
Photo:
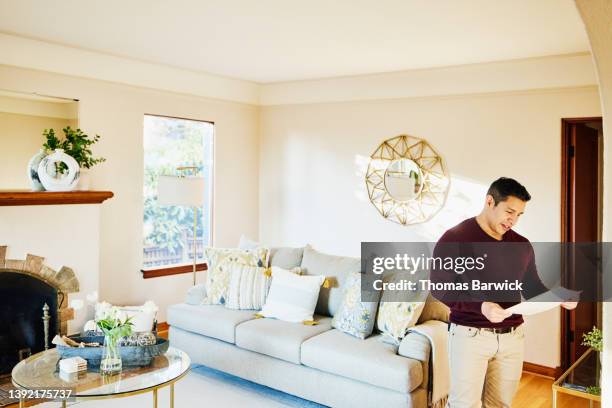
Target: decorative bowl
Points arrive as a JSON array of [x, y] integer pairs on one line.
[[131, 356]]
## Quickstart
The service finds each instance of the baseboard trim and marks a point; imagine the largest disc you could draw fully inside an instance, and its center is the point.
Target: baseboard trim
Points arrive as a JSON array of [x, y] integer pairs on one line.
[[550, 372]]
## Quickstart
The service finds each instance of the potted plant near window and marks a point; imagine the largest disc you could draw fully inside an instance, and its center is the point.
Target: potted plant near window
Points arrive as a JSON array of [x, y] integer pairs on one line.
[[76, 144]]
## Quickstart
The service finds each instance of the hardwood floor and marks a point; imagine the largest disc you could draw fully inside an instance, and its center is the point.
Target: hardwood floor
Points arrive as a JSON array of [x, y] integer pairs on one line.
[[536, 392]]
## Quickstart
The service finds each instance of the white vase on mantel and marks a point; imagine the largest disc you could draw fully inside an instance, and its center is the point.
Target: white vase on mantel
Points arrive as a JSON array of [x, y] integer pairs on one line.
[[33, 170], [58, 182], [84, 180]]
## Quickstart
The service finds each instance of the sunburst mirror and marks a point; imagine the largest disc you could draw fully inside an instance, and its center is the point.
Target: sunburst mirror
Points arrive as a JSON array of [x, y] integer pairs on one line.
[[407, 180]]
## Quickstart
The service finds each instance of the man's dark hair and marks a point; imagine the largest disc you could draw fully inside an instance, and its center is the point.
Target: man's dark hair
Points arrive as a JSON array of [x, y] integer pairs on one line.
[[504, 187]]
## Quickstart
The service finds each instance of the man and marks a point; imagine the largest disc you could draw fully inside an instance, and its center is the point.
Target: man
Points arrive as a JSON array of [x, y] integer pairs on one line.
[[486, 341]]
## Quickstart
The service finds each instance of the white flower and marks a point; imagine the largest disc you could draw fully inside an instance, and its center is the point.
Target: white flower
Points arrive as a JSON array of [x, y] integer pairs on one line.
[[121, 315], [102, 310], [150, 306]]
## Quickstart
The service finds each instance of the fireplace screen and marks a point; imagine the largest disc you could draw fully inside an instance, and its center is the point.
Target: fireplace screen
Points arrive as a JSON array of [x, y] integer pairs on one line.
[[22, 333]]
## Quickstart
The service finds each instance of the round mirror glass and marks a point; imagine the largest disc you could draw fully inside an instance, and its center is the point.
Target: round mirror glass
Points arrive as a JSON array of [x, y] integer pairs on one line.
[[403, 179]]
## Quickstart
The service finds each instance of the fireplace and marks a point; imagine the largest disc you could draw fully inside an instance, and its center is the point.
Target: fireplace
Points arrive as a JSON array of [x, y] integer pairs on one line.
[[33, 306], [22, 318]]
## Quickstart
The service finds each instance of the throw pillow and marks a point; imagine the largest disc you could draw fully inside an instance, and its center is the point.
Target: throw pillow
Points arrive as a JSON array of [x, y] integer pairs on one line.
[[354, 316], [249, 286], [395, 316], [218, 276], [292, 297]]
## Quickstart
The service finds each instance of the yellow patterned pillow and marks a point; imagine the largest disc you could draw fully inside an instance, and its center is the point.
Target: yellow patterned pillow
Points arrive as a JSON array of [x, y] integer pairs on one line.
[[219, 273], [395, 318]]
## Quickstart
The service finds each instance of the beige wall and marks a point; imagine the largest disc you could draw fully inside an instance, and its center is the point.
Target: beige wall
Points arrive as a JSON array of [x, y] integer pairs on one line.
[[313, 159], [20, 139], [597, 17], [116, 113]]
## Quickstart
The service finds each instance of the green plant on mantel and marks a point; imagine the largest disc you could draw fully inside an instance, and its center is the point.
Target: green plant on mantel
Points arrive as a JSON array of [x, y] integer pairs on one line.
[[76, 144], [593, 339]]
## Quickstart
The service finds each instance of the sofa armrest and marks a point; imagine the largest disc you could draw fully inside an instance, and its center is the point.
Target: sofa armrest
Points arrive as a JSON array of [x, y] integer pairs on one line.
[[196, 294], [415, 346]]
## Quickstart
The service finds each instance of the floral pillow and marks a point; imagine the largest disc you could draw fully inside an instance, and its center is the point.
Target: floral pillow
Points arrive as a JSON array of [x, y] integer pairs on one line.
[[399, 310], [395, 318], [219, 273], [355, 317]]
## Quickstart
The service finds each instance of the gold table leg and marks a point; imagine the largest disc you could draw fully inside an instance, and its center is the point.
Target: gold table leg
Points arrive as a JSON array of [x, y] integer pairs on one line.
[[21, 404], [64, 404], [155, 398], [172, 395]]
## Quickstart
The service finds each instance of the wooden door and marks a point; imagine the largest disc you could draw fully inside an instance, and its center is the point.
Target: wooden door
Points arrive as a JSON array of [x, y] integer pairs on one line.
[[581, 225]]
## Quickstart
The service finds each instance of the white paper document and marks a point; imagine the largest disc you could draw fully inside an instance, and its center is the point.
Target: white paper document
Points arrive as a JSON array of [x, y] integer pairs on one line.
[[545, 301]]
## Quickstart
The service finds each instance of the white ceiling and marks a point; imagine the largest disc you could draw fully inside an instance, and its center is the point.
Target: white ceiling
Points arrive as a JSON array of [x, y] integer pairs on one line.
[[284, 40]]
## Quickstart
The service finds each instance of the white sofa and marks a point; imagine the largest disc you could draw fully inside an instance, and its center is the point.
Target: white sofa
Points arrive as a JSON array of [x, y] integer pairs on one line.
[[317, 363]]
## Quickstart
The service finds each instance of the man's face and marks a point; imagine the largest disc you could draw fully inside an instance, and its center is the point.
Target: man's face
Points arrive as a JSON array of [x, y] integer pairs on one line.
[[505, 215]]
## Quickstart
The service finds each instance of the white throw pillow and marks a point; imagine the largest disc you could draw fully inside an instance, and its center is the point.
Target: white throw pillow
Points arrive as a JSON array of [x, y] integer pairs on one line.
[[292, 297]]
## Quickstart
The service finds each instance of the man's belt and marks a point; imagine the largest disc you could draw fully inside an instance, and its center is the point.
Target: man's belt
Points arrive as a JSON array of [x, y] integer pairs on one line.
[[499, 330]]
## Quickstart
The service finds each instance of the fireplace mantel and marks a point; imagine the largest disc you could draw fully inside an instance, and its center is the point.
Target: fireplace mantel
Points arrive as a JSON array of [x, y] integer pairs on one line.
[[17, 197]]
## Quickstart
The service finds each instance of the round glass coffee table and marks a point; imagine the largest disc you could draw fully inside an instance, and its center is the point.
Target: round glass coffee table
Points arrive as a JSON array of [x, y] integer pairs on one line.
[[38, 377]]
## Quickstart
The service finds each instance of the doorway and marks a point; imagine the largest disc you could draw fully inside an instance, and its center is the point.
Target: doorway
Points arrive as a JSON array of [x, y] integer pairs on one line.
[[581, 220]]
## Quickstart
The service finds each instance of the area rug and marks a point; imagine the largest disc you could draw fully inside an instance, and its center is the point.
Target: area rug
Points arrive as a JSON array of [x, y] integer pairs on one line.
[[204, 386], [260, 390]]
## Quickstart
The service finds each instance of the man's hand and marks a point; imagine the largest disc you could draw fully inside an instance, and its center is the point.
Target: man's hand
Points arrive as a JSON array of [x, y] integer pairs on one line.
[[494, 312], [569, 305]]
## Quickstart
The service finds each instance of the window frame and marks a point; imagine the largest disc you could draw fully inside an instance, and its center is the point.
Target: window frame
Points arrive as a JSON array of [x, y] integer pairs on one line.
[[156, 272]]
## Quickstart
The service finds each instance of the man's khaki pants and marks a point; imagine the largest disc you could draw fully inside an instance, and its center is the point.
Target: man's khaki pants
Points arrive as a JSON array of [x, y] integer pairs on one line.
[[485, 367]]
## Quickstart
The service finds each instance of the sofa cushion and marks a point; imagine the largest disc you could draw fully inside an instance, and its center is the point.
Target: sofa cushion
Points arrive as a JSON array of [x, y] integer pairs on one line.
[[331, 266], [210, 320], [371, 360], [285, 257], [277, 338]]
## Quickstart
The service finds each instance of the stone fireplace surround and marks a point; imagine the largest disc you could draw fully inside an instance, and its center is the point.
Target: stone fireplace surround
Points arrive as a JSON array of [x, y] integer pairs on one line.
[[64, 281]]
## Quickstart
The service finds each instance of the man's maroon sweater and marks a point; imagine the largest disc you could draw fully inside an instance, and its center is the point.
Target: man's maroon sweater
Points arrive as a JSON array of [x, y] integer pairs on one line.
[[521, 267]]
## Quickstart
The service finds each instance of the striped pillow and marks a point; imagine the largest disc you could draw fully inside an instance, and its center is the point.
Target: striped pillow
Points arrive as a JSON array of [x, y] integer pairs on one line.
[[248, 286], [292, 297]]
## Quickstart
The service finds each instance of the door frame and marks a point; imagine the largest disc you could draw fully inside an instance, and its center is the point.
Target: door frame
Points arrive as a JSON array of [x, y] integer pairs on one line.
[[566, 135]]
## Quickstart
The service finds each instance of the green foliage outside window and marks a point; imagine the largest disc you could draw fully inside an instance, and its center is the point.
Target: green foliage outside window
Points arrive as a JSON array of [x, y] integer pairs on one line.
[[168, 144]]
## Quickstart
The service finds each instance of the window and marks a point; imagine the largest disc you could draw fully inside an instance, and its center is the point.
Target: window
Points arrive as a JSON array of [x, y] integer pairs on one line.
[[168, 230]]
